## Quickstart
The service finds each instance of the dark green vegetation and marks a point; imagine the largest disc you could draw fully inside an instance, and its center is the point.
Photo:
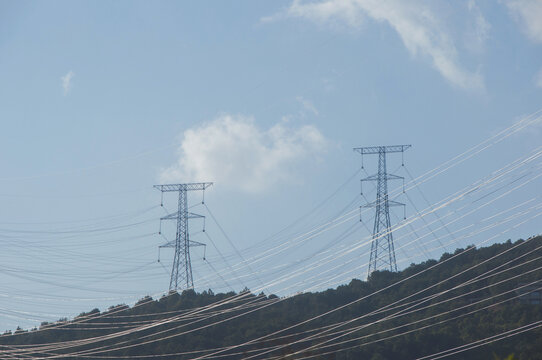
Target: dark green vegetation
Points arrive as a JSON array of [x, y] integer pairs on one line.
[[190, 321]]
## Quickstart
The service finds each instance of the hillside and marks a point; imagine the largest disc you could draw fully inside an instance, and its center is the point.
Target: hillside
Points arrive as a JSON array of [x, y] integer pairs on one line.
[[475, 293]]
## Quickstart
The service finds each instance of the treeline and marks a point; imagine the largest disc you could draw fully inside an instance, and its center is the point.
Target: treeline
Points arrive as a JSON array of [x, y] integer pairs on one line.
[[436, 305]]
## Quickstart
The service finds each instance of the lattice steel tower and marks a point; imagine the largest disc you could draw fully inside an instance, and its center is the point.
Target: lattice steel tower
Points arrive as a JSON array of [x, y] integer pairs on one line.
[[181, 272], [382, 250]]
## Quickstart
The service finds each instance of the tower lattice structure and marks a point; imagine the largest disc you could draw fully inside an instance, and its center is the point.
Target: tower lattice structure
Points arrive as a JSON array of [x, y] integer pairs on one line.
[[181, 271], [382, 248]]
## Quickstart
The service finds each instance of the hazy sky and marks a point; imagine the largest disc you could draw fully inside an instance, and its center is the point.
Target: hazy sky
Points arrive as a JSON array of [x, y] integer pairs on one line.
[[102, 100]]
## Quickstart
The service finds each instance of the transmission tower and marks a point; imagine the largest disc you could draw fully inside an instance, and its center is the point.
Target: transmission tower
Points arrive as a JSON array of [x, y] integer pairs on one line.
[[382, 250], [181, 272]]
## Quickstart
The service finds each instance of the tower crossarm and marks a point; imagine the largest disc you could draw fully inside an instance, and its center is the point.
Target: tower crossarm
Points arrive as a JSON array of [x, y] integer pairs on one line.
[[378, 149], [175, 215], [196, 243], [374, 204], [385, 177], [183, 187], [171, 244]]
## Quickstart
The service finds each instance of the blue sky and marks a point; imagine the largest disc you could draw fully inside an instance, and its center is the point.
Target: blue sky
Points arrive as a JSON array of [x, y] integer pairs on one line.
[[102, 100]]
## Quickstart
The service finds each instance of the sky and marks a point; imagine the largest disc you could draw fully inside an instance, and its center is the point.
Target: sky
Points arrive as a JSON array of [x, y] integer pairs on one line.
[[103, 100]]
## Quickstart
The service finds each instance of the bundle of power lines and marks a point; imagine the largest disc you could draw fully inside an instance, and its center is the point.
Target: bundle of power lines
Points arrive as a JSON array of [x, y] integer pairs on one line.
[[334, 265]]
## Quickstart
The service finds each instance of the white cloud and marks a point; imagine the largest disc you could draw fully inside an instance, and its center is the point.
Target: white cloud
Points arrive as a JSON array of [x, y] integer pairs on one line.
[[529, 14], [416, 24], [234, 152], [538, 78], [478, 32], [323, 12], [67, 82], [307, 105]]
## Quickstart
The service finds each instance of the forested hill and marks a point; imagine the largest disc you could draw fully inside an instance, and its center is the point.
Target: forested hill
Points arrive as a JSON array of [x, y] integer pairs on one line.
[[427, 308]]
